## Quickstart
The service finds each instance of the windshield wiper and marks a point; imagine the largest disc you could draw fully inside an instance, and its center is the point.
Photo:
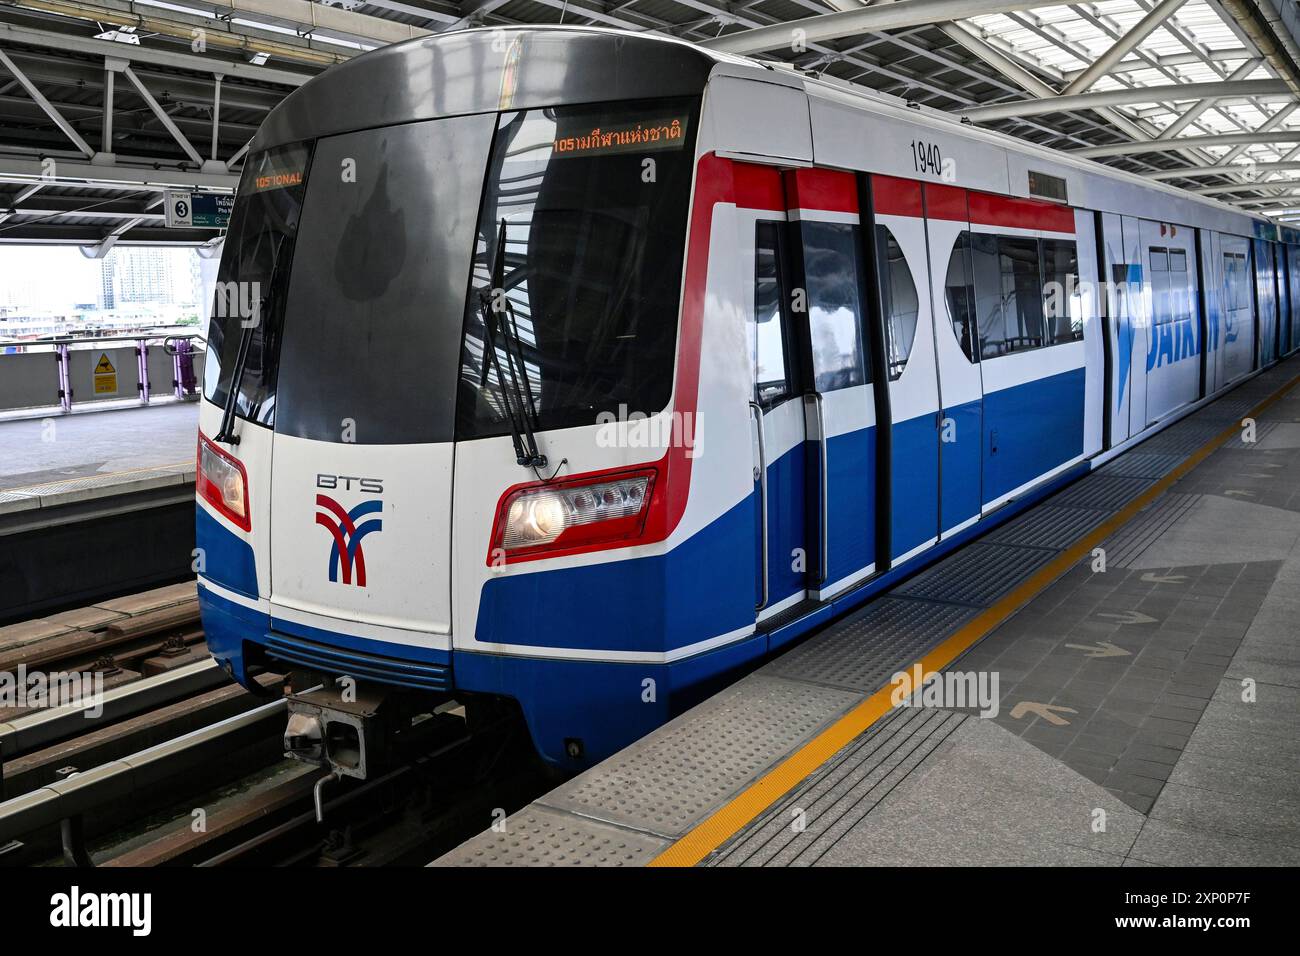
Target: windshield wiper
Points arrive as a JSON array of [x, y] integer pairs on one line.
[[226, 432], [516, 389]]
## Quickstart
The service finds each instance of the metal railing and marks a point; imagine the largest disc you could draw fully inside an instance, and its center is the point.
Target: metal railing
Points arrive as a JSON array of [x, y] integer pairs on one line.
[[136, 368]]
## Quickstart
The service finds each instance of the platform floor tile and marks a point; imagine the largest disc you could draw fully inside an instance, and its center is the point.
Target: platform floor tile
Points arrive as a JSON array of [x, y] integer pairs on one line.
[[868, 646], [1111, 672], [1141, 464], [1108, 493], [977, 575], [977, 796], [536, 836], [1048, 526], [1150, 523], [667, 782]]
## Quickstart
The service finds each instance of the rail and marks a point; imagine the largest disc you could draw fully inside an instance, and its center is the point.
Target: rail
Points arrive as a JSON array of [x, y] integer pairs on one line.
[[135, 369]]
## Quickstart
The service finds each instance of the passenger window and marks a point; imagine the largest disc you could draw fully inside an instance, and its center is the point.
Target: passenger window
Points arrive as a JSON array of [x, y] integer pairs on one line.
[[830, 262], [959, 293], [989, 319], [1062, 301], [769, 346], [1022, 297], [899, 303], [1177, 260]]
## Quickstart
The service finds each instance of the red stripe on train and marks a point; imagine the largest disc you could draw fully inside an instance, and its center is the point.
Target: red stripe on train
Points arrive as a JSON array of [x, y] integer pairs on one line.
[[825, 190], [989, 210]]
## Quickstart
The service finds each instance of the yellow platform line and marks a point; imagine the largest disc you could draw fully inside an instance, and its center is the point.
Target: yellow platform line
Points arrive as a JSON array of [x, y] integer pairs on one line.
[[742, 809]]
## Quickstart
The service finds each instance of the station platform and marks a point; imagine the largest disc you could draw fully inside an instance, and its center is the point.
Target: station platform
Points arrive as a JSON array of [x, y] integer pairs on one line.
[[81, 492], [1137, 631]]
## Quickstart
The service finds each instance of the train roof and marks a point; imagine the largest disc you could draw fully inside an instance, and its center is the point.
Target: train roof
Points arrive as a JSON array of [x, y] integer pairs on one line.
[[500, 68]]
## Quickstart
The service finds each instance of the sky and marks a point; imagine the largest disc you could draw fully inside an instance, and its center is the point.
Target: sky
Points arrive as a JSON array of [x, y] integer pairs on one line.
[[54, 278]]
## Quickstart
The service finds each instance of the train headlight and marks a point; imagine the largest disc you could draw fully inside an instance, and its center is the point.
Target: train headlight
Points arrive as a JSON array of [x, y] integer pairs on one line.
[[573, 515]]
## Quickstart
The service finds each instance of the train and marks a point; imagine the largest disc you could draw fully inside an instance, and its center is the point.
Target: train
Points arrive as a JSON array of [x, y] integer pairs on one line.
[[573, 371]]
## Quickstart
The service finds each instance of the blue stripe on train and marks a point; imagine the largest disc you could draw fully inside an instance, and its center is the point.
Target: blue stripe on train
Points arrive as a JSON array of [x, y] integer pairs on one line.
[[1031, 429], [227, 558]]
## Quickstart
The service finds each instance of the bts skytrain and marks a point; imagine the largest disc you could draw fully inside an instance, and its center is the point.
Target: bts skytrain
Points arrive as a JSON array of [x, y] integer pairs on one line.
[[579, 368]]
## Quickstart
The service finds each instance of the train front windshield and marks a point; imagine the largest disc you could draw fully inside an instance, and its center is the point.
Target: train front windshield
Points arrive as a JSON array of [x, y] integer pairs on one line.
[[378, 316]]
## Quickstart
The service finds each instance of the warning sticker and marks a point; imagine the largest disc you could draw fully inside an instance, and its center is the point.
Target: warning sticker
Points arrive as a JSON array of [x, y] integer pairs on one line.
[[105, 376]]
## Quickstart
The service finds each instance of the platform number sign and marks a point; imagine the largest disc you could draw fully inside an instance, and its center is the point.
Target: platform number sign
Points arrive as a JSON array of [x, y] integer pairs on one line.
[[180, 209], [198, 210]]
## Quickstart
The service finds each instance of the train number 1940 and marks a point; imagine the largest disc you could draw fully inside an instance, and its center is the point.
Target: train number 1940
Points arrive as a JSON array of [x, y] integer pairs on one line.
[[926, 158]]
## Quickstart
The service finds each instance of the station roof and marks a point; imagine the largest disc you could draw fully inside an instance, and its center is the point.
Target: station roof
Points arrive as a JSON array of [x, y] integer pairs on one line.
[[127, 97]]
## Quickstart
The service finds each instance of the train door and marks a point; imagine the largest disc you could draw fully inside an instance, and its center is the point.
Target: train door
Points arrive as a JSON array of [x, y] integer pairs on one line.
[[1265, 303], [1293, 282], [1171, 365], [956, 337], [1122, 295], [1139, 311], [840, 416], [902, 269], [1237, 342], [1283, 336], [777, 413], [1212, 275]]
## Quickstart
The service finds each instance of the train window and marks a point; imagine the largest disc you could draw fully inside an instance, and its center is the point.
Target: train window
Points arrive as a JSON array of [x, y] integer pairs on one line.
[[1177, 260], [1237, 295], [986, 274], [770, 346], [830, 262], [1062, 301], [899, 301], [1159, 260], [252, 279], [959, 295], [593, 262], [376, 301], [1022, 296]]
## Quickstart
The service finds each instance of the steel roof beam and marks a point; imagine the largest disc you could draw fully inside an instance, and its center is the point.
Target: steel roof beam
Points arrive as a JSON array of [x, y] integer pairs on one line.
[[1186, 142], [163, 118], [11, 33], [46, 106], [1220, 169], [847, 23], [1216, 90], [1121, 47], [110, 176]]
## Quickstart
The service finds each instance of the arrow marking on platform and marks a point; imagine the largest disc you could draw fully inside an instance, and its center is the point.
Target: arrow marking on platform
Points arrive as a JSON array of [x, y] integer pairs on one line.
[[1152, 578], [1045, 711], [1101, 649], [1129, 617]]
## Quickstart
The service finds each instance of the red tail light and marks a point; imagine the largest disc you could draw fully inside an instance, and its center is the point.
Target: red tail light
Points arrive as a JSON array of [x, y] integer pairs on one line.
[[222, 482], [572, 516]]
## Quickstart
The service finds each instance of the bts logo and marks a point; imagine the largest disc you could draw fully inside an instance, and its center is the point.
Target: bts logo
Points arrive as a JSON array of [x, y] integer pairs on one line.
[[347, 530]]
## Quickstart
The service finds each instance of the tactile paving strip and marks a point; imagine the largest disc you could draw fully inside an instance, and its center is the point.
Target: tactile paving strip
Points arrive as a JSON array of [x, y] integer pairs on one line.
[[1048, 526], [667, 782], [536, 836], [1182, 439], [1140, 464], [976, 575], [861, 651], [1126, 544], [1101, 492], [853, 784]]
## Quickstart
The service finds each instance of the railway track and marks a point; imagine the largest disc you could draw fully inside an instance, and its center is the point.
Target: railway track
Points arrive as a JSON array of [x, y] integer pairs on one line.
[[173, 764]]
